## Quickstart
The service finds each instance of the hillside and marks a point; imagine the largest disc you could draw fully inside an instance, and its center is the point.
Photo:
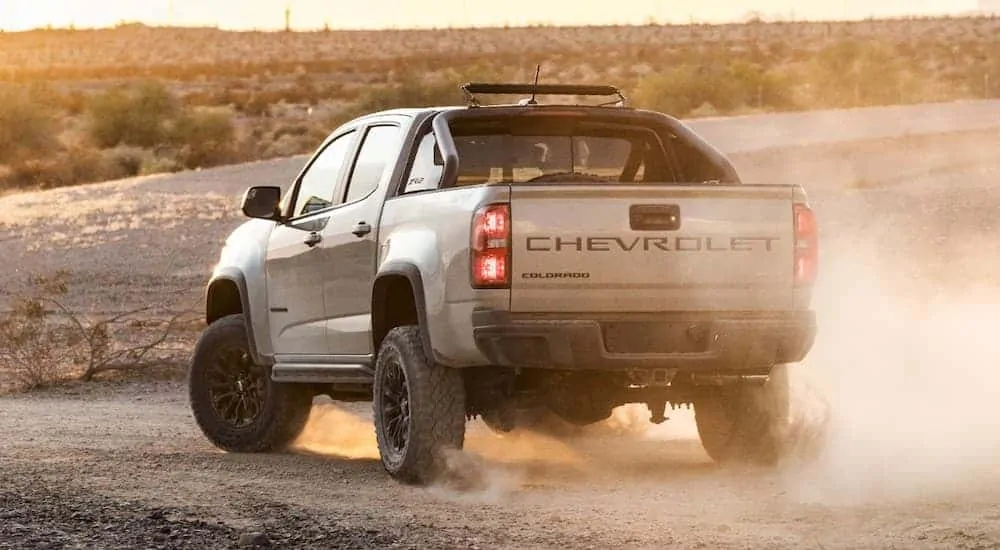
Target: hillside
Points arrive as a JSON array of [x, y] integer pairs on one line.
[[147, 51], [94, 105]]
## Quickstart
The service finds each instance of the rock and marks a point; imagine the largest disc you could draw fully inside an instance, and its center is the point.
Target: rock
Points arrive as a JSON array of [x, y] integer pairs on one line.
[[254, 540]]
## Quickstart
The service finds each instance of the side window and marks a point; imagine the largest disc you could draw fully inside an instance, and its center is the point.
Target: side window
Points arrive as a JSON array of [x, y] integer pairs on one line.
[[320, 180], [425, 175], [380, 148]]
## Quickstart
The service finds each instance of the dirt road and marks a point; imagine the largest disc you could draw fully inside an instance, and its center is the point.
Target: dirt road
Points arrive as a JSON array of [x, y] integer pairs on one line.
[[903, 379]]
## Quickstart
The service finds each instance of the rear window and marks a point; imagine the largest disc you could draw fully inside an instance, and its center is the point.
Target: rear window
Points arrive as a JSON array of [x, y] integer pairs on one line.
[[492, 158], [548, 149], [540, 149]]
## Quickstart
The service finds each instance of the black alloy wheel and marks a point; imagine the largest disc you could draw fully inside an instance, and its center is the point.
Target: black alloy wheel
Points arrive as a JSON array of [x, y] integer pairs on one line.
[[236, 386], [419, 408], [234, 401], [395, 405]]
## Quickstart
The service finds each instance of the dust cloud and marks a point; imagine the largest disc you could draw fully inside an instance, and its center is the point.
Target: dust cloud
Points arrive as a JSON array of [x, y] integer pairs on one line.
[[491, 465], [334, 431], [899, 399], [906, 383]]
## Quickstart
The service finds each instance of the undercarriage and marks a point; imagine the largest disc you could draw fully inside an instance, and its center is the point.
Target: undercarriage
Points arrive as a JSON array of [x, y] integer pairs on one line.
[[509, 398]]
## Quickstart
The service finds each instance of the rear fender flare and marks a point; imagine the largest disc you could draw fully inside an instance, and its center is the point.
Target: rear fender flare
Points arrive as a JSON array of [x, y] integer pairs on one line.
[[412, 274]]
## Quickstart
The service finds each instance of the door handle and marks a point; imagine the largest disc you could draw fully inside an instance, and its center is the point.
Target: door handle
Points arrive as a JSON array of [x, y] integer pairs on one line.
[[313, 239], [654, 217], [361, 229]]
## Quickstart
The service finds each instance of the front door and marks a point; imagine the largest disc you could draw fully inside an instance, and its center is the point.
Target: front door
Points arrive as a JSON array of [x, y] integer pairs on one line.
[[295, 272], [350, 243]]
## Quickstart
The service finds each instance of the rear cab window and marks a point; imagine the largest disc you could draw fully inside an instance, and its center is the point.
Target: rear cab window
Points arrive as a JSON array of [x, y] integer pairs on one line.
[[612, 155], [537, 147], [599, 147]]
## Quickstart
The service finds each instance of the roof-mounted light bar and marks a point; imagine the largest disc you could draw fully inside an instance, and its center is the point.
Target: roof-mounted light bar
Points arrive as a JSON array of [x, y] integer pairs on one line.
[[472, 89]]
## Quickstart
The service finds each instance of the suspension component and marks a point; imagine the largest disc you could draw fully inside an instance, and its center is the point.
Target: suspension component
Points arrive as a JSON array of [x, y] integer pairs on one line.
[[657, 408]]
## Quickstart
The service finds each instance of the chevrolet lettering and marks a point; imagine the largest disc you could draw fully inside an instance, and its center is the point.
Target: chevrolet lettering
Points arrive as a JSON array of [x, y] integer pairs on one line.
[[650, 244]]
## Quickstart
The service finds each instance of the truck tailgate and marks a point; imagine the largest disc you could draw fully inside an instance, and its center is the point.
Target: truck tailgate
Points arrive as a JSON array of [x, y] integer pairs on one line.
[[652, 248]]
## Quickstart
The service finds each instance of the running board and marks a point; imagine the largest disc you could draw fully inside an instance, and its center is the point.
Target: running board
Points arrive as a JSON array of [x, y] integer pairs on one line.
[[321, 374]]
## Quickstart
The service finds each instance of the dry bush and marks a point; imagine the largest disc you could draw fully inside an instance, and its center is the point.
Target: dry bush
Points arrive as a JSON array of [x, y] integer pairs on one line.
[[27, 127], [412, 91], [67, 167], [140, 117], [43, 342], [726, 87], [128, 159], [149, 117], [34, 349], [205, 138], [160, 164]]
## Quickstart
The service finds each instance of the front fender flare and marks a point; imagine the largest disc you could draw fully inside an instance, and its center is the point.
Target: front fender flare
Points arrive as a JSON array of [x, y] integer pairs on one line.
[[236, 277]]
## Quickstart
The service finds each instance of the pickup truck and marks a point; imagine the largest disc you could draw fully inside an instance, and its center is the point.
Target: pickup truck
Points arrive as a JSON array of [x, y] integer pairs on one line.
[[509, 261]]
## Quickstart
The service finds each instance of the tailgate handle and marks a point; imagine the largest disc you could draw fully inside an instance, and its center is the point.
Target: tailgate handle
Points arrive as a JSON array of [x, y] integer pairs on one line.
[[654, 217]]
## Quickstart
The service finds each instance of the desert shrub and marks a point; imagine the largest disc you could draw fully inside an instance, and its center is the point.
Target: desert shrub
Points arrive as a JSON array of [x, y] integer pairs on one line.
[[753, 85], [205, 138], [255, 104], [980, 78], [34, 172], [713, 87], [854, 73], [86, 165], [125, 116], [128, 160], [72, 166], [74, 102], [680, 90], [151, 117], [159, 164], [35, 349], [27, 128], [294, 130], [411, 91], [42, 341]]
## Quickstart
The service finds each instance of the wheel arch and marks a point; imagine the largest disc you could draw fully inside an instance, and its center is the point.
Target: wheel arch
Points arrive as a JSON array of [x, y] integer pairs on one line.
[[398, 299], [227, 294]]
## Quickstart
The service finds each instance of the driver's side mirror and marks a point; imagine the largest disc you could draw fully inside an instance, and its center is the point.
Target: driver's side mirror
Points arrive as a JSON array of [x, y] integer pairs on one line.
[[262, 202]]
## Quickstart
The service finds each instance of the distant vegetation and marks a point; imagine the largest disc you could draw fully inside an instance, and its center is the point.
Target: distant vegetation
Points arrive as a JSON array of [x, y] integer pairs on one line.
[[81, 106]]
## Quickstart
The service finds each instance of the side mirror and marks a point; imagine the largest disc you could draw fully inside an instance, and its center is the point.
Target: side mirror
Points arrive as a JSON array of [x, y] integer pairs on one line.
[[262, 202]]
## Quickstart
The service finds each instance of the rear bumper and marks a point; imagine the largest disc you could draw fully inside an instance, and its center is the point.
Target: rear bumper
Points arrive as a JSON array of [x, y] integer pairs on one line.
[[691, 342]]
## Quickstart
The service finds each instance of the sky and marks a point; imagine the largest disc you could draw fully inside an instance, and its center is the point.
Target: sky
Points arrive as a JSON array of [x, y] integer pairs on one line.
[[312, 14]]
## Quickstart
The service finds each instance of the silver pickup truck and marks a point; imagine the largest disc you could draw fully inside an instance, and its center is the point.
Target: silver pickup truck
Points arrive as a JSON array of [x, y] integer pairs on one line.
[[509, 262]]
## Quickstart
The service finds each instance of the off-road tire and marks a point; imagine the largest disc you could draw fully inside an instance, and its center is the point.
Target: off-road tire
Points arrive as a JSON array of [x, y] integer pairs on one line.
[[435, 401], [745, 423], [284, 408]]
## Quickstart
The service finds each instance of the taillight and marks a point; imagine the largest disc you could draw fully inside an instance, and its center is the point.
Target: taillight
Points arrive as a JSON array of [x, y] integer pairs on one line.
[[491, 247], [806, 245]]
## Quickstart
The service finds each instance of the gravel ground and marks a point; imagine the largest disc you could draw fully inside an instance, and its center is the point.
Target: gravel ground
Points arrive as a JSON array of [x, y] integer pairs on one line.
[[902, 378]]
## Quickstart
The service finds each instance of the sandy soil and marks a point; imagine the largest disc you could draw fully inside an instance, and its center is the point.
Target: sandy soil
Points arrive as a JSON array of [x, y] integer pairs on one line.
[[903, 378]]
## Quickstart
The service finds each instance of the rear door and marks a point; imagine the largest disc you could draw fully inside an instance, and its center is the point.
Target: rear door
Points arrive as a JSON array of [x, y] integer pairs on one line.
[[651, 248]]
